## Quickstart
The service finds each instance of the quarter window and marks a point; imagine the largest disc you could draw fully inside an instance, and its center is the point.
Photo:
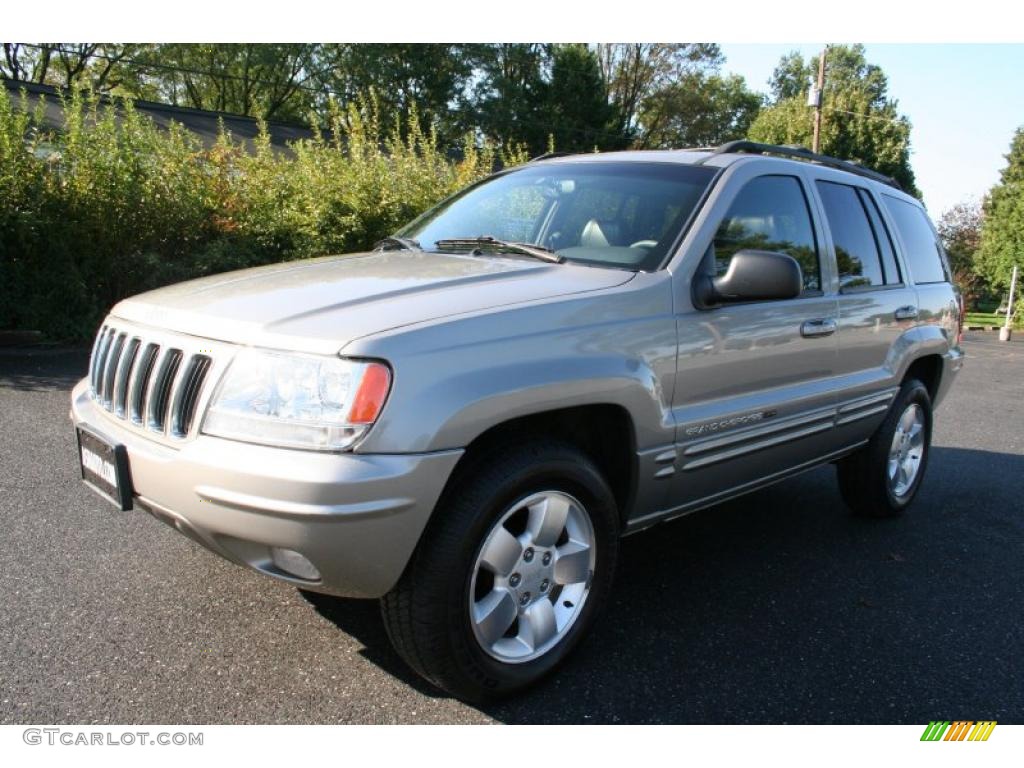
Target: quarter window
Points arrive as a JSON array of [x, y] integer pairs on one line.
[[923, 255], [857, 256], [770, 214]]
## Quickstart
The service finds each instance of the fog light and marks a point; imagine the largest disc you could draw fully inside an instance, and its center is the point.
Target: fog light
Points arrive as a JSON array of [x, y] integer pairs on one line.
[[290, 561]]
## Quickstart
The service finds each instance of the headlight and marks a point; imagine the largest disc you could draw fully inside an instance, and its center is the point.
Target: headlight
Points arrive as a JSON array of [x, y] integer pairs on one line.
[[297, 401]]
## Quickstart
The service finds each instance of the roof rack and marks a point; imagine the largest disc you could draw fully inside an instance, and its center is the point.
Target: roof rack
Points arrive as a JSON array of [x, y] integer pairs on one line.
[[799, 153]]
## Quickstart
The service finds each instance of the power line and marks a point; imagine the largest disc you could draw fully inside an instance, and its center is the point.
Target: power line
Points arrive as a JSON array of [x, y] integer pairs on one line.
[[588, 133], [176, 69], [865, 114]]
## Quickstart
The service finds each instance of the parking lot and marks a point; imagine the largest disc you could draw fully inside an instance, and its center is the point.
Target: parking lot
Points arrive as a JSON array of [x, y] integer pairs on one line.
[[777, 607]]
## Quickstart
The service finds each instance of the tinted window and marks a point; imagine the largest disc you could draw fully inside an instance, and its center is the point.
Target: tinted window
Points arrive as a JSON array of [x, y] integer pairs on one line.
[[770, 214], [923, 255], [619, 214], [857, 254], [882, 239]]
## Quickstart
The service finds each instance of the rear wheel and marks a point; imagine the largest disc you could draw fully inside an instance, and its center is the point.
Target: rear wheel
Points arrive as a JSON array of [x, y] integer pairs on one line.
[[882, 479], [510, 574]]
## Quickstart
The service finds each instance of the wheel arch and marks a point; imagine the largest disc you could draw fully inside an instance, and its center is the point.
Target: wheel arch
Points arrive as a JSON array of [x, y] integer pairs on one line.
[[603, 431]]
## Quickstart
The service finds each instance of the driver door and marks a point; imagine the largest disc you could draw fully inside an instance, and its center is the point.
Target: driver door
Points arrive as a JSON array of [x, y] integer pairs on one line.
[[753, 395]]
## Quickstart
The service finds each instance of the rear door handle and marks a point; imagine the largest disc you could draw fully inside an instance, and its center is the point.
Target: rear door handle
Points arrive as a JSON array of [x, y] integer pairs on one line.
[[908, 312], [825, 326]]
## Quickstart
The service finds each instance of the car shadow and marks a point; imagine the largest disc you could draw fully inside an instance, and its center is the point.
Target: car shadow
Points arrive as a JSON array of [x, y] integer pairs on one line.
[[781, 607], [42, 369], [361, 619]]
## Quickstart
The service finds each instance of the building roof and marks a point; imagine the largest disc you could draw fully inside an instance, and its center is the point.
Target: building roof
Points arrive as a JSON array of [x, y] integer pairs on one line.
[[202, 122]]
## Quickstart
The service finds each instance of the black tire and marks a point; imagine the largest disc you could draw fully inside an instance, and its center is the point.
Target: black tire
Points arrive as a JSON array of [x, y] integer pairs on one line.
[[864, 476], [427, 613]]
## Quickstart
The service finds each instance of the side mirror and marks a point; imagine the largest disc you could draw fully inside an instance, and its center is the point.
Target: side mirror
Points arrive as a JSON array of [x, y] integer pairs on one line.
[[752, 276]]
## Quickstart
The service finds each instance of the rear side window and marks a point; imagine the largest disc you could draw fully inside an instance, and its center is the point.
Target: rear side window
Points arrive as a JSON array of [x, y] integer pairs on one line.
[[770, 214], [923, 254], [857, 249]]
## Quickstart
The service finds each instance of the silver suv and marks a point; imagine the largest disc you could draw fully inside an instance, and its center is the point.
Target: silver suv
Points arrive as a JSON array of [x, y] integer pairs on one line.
[[465, 421]]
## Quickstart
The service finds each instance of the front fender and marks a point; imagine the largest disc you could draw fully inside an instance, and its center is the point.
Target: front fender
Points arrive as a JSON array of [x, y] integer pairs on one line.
[[455, 380]]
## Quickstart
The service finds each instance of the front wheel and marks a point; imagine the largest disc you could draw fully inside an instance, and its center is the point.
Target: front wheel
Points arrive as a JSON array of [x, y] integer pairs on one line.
[[881, 479], [509, 575]]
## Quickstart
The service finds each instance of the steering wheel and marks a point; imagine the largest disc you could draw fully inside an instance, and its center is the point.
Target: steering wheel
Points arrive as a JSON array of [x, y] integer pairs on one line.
[[644, 244]]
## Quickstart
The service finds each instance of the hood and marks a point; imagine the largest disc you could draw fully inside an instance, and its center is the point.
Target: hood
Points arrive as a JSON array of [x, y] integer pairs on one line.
[[322, 304]]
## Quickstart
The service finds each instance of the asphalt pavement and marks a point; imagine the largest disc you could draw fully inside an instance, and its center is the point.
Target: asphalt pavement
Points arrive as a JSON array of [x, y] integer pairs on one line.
[[779, 607]]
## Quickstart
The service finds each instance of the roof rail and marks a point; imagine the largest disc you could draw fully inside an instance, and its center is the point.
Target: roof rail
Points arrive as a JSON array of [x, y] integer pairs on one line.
[[549, 155], [800, 153]]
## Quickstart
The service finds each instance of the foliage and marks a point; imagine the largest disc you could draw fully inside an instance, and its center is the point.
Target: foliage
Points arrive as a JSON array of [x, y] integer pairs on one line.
[[634, 72], [589, 96], [960, 232], [700, 111], [431, 78], [257, 79], [112, 205], [860, 122], [1002, 234], [510, 95], [579, 117], [102, 66]]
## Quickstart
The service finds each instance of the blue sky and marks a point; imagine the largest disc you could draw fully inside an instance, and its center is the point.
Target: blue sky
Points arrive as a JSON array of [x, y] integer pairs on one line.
[[964, 102]]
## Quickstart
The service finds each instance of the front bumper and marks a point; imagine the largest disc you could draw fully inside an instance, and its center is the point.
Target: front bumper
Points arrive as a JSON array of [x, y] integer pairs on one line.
[[356, 517]]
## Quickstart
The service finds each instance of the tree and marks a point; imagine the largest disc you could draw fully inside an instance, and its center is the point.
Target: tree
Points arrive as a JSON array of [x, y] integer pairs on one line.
[[100, 66], [510, 96], [1002, 232], [699, 111], [256, 79], [790, 77], [578, 113], [960, 231], [635, 71], [861, 123], [431, 79]]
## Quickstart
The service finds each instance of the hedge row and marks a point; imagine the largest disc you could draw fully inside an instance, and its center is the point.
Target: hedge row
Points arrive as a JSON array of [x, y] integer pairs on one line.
[[110, 205]]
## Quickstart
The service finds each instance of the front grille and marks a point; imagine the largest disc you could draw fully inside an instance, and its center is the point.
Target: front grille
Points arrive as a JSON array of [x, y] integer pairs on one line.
[[154, 384]]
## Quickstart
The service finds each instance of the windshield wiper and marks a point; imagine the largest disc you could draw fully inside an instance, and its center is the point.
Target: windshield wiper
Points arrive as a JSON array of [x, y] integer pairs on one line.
[[391, 243], [476, 243]]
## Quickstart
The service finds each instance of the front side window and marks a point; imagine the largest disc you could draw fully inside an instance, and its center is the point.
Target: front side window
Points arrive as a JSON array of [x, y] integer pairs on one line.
[[770, 214], [619, 214], [857, 255]]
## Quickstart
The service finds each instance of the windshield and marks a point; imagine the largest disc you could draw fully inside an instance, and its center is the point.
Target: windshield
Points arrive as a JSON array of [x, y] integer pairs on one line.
[[617, 214]]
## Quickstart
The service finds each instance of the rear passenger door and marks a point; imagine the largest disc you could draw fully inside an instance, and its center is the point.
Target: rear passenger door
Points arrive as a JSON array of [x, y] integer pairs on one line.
[[876, 304]]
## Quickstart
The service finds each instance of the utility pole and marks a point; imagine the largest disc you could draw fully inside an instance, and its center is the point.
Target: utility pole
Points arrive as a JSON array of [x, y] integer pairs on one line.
[[1007, 330], [817, 94]]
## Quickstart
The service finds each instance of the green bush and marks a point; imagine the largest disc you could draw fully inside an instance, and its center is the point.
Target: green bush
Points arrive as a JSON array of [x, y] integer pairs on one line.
[[110, 205]]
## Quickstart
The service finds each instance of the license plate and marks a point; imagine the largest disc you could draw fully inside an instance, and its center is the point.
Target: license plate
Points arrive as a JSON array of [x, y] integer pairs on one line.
[[105, 468]]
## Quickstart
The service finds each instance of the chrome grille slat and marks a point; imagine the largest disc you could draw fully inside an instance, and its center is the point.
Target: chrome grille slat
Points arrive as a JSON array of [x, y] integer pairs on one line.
[[107, 383], [184, 406], [140, 383], [174, 393], [94, 357], [101, 360], [119, 398], [154, 375], [152, 380], [160, 395]]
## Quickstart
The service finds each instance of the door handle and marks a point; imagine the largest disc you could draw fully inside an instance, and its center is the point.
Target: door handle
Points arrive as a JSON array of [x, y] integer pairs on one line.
[[825, 326], [908, 312]]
